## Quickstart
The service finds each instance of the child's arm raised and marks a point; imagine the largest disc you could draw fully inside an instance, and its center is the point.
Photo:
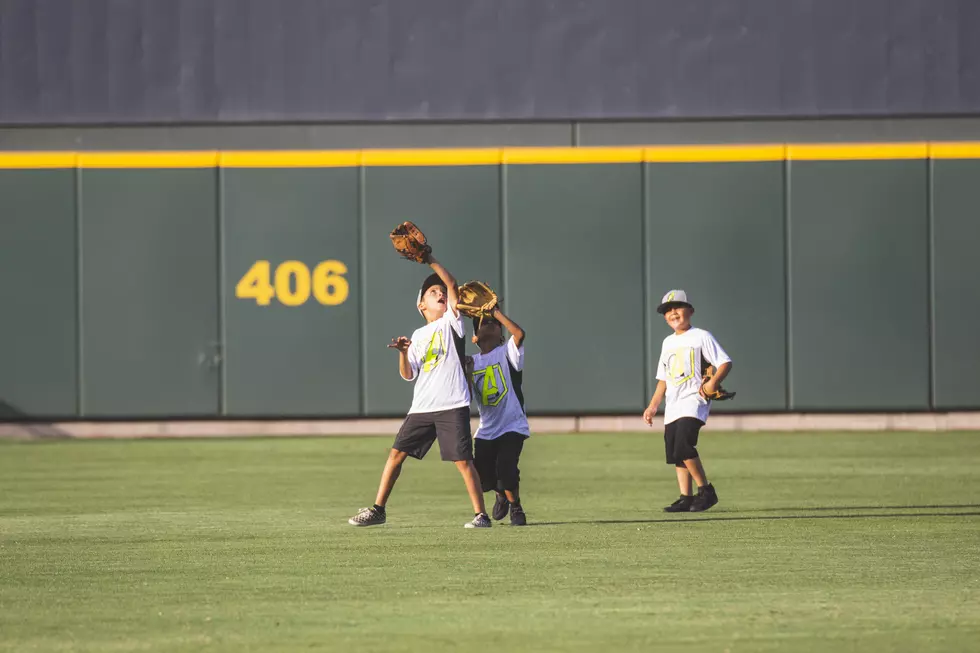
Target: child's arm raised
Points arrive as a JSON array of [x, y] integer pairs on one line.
[[511, 325], [449, 280]]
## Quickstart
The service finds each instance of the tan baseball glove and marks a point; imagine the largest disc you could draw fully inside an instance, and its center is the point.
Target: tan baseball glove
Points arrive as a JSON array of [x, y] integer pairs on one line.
[[707, 372], [476, 299], [409, 242]]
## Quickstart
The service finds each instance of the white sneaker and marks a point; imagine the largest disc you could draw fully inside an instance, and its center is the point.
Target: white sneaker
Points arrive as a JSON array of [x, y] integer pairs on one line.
[[367, 517], [480, 521]]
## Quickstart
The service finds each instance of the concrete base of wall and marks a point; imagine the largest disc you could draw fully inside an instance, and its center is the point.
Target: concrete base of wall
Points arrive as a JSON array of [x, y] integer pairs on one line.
[[967, 421]]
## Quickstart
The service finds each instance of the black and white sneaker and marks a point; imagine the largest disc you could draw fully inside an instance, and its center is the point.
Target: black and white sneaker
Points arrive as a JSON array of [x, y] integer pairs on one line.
[[500, 506], [517, 516], [480, 521], [367, 517], [706, 498], [683, 504]]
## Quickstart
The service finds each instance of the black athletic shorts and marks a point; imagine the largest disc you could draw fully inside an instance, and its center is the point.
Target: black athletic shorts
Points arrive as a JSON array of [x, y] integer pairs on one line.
[[681, 439], [497, 461], [450, 427]]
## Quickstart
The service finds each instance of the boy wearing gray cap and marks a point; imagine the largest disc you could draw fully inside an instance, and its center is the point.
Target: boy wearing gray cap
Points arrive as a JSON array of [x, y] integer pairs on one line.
[[686, 411]]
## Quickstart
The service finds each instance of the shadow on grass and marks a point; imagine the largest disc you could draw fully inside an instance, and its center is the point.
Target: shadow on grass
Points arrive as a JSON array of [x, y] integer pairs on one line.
[[832, 508], [723, 517]]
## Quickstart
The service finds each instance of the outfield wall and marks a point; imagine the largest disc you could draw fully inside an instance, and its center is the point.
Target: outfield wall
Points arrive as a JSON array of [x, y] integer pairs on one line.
[[263, 284]]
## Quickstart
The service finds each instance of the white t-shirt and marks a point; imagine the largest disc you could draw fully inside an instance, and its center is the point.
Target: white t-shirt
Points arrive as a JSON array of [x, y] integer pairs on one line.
[[436, 356], [497, 385], [680, 369]]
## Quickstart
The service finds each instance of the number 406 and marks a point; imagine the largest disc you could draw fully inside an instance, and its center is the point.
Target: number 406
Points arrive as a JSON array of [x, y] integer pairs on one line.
[[292, 283]]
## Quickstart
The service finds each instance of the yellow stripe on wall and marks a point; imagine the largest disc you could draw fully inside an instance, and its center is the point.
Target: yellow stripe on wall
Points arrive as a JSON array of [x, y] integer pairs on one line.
[[148, 160], [291, 159], [434, 157], [954, 150], [493, 156], [852, 151], [38, 159], [530, 155], [698, 154]]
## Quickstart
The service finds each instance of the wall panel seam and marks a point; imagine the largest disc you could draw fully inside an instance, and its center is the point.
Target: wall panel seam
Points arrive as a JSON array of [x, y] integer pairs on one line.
[[221, 352], [931, 281], [645, 281], [79, 297], [362, 286], [788, 282]]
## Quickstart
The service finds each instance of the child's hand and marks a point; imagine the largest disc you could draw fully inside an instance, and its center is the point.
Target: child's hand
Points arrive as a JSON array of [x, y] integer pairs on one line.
[[401, 343], [649, 414]]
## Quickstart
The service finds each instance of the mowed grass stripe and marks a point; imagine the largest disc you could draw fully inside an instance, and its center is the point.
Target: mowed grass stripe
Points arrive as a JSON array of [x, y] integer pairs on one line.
[[821, 541]]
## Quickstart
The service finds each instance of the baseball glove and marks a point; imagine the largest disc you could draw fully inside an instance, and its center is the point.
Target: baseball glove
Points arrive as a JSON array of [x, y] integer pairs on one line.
[[720, 394], [409, 242], [476, 299]]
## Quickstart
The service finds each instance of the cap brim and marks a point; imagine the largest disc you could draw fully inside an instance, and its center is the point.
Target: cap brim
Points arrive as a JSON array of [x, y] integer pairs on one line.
[[666, 306]]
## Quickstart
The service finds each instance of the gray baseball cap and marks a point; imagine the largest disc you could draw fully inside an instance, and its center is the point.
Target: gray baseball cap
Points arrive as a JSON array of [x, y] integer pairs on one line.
[[673, 298]]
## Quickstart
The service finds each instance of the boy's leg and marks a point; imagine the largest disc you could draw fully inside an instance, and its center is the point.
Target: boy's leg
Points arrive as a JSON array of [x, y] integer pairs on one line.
[[472, 479], [508, 457], [392, 470], [456, 445], [485, 458], [683, 479], [706, 496], [694, 469], [509, 473], [675, 447], [415, 437]]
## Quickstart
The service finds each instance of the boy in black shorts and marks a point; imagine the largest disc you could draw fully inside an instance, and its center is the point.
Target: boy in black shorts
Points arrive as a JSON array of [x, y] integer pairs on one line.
[[498, 376], [686, 411], [433, 359]]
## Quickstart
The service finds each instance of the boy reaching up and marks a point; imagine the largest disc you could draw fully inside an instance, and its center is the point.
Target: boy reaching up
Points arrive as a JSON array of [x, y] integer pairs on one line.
[[498, 374], [433, 359]]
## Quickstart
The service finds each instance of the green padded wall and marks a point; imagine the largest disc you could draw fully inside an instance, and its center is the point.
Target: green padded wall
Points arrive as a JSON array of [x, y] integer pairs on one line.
[[38, 340], [725, 248], [293, 347], [149, 292], [574, 279], [122, 295], [956, 283], [457, 207], [858, 260]]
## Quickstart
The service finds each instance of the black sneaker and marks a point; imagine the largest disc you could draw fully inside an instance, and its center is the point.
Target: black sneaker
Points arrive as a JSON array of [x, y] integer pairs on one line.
[[683, 504], [706, 498], [517, 516], [500, 507]]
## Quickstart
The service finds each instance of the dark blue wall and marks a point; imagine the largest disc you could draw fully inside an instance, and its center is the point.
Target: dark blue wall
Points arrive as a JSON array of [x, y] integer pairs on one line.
[[146, 61]]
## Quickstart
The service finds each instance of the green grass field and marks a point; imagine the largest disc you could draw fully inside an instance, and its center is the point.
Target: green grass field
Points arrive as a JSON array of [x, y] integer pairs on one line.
[[821, 542]]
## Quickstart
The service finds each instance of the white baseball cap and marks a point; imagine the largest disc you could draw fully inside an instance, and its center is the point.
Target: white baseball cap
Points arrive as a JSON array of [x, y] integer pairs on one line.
[[673, 298]]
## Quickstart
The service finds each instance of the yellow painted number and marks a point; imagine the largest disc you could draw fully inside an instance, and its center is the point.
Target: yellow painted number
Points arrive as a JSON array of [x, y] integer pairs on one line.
[[329, 286], [292, 283], [255, 284], [287, 294]]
